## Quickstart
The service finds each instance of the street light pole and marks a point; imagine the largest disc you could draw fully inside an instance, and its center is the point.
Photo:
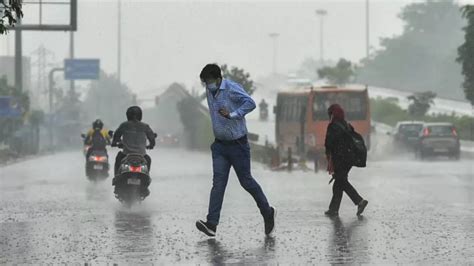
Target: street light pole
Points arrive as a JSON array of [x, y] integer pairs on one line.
[[119, 40], [321, 13], [367, 29], [274, 36]]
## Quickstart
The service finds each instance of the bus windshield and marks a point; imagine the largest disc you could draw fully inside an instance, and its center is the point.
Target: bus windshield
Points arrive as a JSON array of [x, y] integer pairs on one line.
[[354, 104]]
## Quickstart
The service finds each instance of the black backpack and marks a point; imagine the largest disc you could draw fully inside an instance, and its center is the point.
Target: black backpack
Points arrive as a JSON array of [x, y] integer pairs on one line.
[[357, 151]]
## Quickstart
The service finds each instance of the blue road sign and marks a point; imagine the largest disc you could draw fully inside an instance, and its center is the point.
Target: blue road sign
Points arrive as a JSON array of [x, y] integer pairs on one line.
[[9, 107], [81, 69]]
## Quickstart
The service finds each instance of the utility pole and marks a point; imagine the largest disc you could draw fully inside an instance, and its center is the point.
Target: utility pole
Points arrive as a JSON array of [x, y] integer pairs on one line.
[[18, 58], [119, 41], [43, 57], [274, 37], [367, 29], [71, 56], [321, 13]]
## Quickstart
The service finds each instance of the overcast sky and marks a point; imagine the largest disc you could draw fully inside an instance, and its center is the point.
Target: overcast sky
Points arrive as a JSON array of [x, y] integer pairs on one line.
[[171, 41]]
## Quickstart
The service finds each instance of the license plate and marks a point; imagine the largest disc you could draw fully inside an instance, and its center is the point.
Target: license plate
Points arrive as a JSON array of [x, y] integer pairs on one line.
[[98, 167], [440, 150], [134, 181]]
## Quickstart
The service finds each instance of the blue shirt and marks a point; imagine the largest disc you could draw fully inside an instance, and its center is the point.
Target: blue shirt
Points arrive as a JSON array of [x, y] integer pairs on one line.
[[236, 100]]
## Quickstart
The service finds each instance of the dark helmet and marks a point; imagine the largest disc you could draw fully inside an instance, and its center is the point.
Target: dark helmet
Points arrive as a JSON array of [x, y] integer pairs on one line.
[[97, 124], [134, 113]]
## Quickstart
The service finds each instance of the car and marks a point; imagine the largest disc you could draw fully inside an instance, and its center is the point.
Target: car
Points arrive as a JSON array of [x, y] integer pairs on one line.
[[406, 133], [168, 140], [438, 139]]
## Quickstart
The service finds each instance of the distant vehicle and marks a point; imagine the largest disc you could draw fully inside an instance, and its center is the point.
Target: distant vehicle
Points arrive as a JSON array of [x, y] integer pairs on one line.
[[302, 118], [406, 133], [168, 140], [97, 163], [438, 139]]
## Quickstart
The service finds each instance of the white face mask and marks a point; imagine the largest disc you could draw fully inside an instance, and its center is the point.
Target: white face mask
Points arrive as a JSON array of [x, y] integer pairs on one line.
[[212, 87]]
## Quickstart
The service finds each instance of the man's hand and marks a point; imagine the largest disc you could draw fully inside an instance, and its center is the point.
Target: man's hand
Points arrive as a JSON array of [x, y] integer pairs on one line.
[[224, 113]]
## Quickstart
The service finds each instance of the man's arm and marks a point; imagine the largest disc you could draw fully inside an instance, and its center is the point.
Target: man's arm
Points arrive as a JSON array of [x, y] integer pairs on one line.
[[238, 94], [117, 136], [88, 139], [150, 135]]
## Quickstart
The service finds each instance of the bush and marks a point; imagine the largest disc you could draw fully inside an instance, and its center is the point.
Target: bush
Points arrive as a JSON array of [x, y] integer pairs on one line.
[[388, 112]]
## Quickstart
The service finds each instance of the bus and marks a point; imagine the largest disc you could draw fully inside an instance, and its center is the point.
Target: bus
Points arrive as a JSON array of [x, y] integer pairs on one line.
[[302, 119]]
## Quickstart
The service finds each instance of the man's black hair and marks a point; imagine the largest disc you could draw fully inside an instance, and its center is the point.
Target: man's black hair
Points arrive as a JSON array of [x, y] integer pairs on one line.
[[210, 71]]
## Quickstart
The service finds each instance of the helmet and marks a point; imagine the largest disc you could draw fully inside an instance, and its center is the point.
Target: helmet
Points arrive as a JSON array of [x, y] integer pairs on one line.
[[134, 113], [97, 124]]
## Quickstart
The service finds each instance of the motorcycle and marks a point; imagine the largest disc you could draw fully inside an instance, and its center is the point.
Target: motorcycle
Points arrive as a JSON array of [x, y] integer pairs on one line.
[[97, 163], [133, 178]]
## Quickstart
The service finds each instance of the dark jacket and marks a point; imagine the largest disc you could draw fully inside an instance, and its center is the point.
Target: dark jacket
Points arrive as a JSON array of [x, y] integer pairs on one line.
[[134, 135], [337, 144]]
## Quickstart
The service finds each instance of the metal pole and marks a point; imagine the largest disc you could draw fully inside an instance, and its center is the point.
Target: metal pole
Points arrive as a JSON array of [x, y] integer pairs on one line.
[[321, 44], [274, 37], [18, 61], [119, 42], [321, 13], [51, 108], [71, 56], [367, 29]]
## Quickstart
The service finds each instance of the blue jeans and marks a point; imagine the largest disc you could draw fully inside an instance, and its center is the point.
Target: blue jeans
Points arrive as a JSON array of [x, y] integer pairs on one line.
[[236, 155]]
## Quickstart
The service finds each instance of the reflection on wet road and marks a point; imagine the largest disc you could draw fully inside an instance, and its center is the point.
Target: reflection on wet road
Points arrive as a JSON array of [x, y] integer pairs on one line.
[[419, 212]]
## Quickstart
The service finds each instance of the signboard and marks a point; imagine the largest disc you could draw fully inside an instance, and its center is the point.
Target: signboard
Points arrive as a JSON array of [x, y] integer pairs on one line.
[[9, 107], [81, 69]]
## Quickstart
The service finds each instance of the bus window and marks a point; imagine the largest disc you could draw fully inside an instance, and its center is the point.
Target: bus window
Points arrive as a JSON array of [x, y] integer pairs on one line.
[[354, 104], [291, 108]]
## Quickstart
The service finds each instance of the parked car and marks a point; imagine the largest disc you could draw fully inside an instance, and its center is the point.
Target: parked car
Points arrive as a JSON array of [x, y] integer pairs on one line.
[[438, 139], [406, 133]]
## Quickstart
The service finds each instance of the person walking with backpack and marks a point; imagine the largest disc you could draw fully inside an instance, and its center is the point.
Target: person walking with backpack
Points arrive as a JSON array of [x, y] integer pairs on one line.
[[340, 155]]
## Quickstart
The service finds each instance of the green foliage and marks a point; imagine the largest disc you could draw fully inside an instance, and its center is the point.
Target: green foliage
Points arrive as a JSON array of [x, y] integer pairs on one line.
[[388, 111], [197, 124], [420, 103], [423, 57], [9, 13], [36, 118], [339, 74], [21, 96], [466, 53], [107, 99], [240, 76], [10, 125]]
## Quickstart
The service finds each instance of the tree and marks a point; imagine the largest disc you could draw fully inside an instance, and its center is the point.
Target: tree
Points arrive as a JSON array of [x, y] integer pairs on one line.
[[423, 56], [420, 103], [9, 13], [240, 76], [339, 74], [466, 53], [107, 99]]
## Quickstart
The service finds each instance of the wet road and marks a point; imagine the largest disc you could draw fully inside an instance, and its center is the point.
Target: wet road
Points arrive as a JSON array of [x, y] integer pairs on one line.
[[419, 212]]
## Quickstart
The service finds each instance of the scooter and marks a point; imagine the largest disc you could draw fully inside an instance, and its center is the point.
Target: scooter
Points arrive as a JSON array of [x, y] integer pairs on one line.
[[97, 163], [132, 180]]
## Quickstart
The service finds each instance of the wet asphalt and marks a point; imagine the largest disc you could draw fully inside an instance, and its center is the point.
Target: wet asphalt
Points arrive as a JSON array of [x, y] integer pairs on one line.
[[418, 213]]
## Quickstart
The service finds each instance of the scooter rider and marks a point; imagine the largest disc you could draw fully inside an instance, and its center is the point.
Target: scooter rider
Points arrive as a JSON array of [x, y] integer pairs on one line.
[[133, 134], [97, 138]]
